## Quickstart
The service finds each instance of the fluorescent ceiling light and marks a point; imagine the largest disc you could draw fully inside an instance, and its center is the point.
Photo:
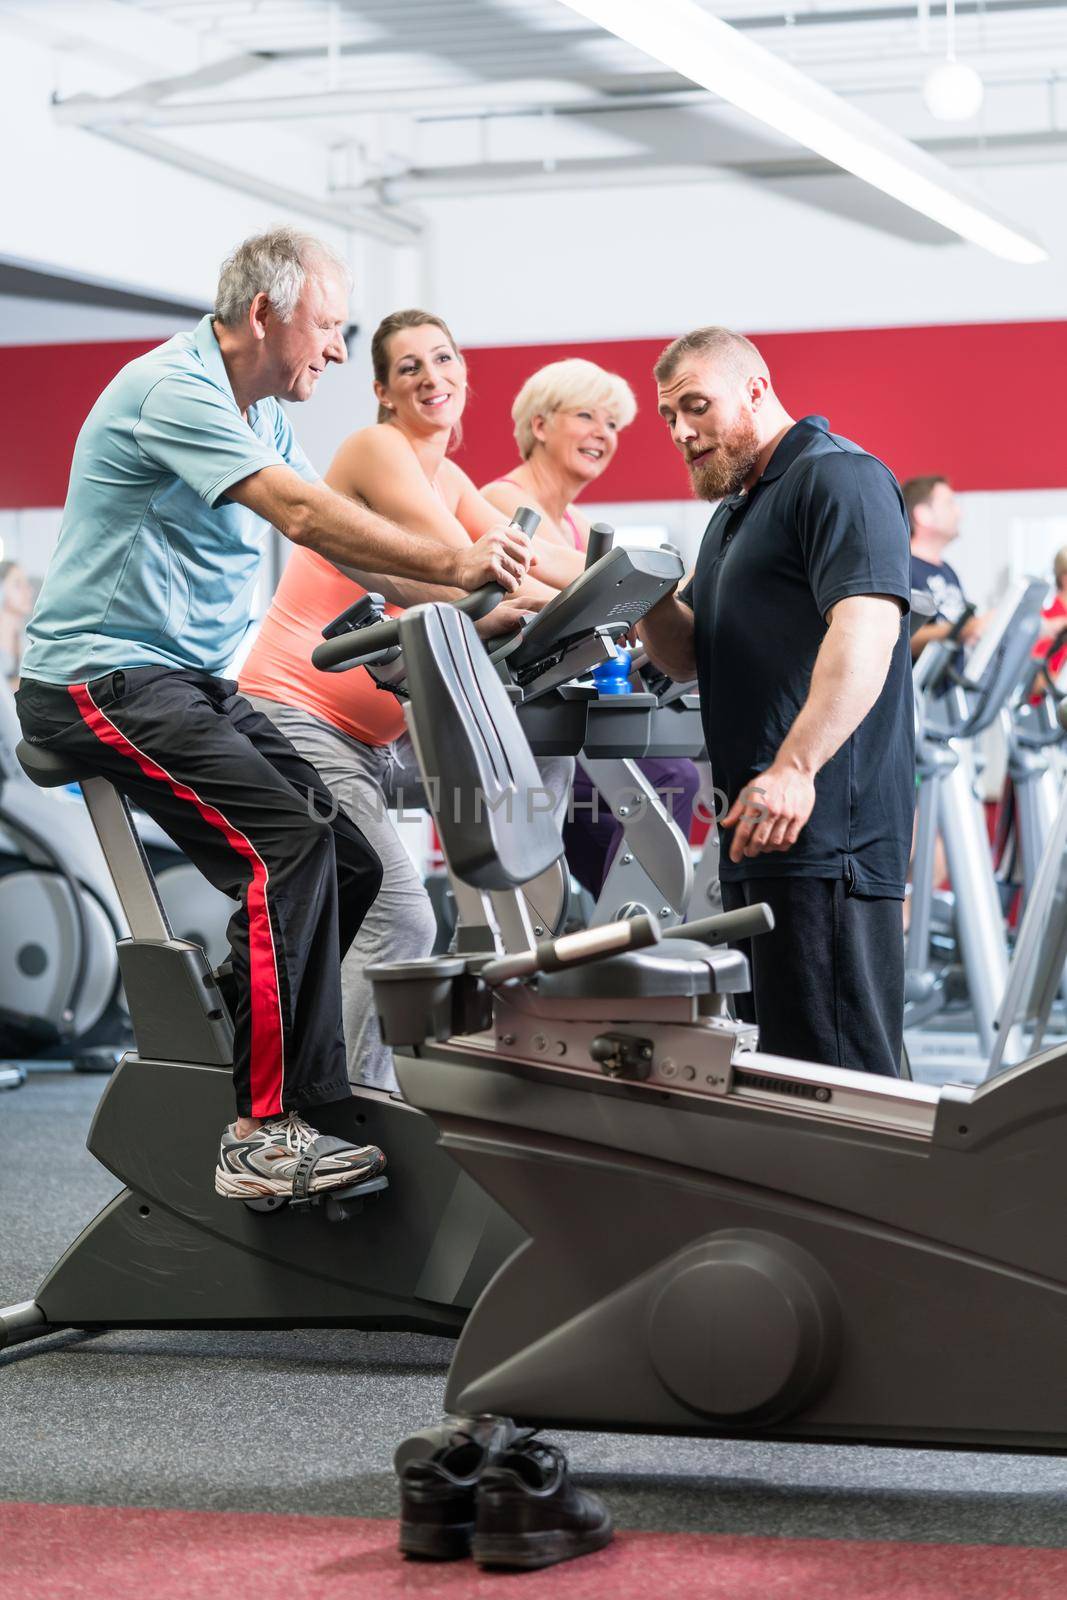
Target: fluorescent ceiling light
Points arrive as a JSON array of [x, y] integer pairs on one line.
[[707, 51]]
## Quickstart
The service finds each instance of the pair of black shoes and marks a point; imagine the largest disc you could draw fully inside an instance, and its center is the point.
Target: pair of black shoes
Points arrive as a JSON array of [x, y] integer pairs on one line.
[[507, 1500]]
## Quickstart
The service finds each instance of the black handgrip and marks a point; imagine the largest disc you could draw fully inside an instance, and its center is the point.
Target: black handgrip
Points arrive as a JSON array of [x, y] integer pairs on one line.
[[961, 621], [945, 672], [368, 644], [367, 609], [574, 949], [480, 601], [353, 649], [601, 539], [747, 922]]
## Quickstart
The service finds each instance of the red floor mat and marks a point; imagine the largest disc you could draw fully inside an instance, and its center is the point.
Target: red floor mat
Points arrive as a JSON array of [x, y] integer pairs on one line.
[[50, 1552]]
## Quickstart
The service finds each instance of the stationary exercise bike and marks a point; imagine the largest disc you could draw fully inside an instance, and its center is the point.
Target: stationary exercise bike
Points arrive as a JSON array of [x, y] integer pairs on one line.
[[169, 1252], [721, 1242], [60, 992]]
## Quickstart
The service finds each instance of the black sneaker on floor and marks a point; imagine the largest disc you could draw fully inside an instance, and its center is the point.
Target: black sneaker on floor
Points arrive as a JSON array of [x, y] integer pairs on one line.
[[530, 1514], [437, 1499]]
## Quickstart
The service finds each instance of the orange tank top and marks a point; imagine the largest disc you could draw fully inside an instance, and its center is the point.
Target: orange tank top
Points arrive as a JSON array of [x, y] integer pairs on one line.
[[312, 592]]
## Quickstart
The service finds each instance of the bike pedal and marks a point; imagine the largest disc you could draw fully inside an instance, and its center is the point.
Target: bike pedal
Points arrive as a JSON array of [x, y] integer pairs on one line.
[[340, 1204]]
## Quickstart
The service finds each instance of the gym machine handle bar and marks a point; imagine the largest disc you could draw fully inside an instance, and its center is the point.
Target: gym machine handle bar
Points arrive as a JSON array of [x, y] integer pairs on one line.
[[363, 646], [747, 922], [945, 668], [601, 539], [635, 933]]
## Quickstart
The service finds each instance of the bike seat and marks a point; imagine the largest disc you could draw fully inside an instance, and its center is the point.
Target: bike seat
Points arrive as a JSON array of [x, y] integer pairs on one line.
[[676, 967], [48, 768]]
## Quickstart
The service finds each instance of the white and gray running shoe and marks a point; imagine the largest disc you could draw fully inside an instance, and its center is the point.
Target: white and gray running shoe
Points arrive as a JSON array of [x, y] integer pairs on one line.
[[288, 1157]]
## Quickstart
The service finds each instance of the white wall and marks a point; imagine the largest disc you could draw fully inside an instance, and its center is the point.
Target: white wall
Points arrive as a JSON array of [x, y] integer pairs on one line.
[[25, 320], [71, 201], [650, 262]]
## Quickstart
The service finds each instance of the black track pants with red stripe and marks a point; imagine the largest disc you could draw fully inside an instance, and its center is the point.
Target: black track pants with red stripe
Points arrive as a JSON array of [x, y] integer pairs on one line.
[[252, 814]]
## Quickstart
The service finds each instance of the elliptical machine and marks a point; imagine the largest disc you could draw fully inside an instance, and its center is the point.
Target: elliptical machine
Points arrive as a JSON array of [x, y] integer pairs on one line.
[[954, 706], [721, 1242]]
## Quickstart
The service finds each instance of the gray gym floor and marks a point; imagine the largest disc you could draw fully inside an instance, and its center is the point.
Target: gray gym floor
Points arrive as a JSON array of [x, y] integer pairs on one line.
[[306, 1421]]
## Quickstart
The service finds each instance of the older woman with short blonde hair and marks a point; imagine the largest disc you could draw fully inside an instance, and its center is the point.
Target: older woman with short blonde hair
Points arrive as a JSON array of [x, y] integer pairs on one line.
[[568, 416]]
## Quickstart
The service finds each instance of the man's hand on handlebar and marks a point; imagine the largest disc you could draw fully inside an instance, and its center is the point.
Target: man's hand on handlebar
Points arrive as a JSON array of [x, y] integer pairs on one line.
[[508, 617], [500, 556], [973, 630]]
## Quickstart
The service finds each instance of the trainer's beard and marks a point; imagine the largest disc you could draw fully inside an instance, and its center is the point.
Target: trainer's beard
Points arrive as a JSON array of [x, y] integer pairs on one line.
[[723, 473]]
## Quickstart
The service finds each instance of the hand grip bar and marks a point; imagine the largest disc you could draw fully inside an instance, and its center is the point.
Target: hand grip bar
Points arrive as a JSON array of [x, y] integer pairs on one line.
[[369, 644], [574, 949], [747, 922], [601, 539]]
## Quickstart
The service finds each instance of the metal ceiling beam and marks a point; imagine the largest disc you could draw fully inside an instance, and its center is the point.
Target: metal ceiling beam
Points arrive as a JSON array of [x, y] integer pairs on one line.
[[504, 177], [91, 111], [208, 77], [485, 28], [447, 35], [883, 13], [396, 227]]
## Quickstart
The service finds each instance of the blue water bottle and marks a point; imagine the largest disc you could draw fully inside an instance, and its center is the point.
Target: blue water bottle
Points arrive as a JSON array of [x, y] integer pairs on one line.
[[613, 677]]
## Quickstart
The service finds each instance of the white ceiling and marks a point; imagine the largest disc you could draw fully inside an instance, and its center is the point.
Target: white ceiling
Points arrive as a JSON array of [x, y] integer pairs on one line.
[[399, 100]]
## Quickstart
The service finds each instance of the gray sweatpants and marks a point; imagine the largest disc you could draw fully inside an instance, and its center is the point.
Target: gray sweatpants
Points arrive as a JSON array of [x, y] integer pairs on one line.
[[366, 780]]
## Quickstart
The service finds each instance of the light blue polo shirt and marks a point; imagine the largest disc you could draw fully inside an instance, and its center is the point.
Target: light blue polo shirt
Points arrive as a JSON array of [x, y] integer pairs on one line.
[[154, 566]]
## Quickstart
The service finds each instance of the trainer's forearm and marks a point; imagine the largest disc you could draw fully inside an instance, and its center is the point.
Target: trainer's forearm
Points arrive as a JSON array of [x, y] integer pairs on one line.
[[667, 634], [849, 674]]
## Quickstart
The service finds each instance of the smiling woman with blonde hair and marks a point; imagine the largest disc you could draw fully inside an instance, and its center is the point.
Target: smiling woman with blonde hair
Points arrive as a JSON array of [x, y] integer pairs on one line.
[[568, 416]]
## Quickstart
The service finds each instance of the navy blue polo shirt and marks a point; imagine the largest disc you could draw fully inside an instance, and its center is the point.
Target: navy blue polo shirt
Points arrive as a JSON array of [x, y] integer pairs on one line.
[[825, 521]]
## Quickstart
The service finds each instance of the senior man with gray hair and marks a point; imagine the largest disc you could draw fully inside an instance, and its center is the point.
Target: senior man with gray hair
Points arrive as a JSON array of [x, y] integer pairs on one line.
[[182, 465]]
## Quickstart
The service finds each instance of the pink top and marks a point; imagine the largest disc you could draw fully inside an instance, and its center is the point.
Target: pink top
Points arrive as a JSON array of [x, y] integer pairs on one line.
[[278, 667], [567, 518]]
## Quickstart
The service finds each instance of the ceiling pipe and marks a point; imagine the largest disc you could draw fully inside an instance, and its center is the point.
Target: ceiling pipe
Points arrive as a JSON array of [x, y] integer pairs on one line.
[[396, 227], [93, 111]]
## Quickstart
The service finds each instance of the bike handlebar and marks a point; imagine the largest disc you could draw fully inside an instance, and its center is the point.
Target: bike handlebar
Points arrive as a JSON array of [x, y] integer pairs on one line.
[[364, 646]]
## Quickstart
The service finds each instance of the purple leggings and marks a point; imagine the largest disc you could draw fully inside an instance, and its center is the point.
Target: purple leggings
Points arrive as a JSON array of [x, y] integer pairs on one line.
[[593, 838]]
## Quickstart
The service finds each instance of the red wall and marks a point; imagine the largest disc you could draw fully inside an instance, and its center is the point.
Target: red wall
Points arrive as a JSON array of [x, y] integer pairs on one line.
[[979, 403], [46, 390]]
